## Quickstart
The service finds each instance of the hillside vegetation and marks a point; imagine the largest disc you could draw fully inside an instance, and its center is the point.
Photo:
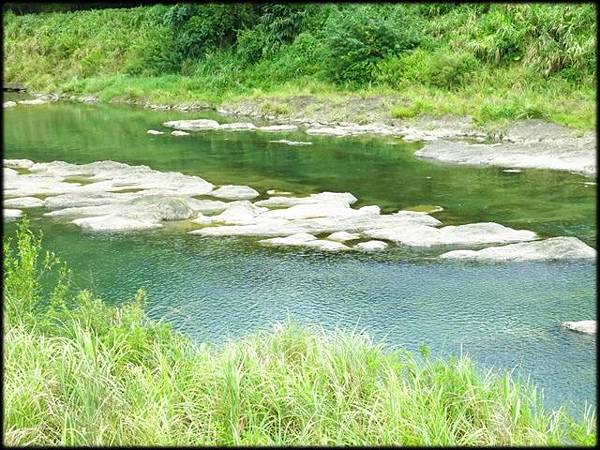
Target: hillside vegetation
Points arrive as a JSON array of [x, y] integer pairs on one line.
[[497, 62], [80, 372]]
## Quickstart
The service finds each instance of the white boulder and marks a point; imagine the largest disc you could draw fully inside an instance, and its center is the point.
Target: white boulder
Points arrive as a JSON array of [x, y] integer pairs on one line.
[[179, 133], [115, 222], [11, 214], [305, 240], [342, 236], [371, 246], [421, 235], [9, 104], [549, 249], [583, 326], [234, 192], [23, 202], [239, 213], [329, 197], [156, 132]]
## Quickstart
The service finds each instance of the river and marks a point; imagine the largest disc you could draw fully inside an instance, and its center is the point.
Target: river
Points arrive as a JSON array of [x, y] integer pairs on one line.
[[502, 315]]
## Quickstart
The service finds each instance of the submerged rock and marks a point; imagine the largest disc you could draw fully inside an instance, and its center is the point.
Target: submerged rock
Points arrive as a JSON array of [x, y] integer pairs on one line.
[[235, 192], [244, 126], [285, 141], [179, 133], [549, 249], [305, 240], [583, 326], [429, 209], [278, 128], [371, 246], [192, 125], [155, 132]]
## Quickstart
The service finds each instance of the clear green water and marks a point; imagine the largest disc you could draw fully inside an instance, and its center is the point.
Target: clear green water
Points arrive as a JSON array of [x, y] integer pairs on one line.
[[216, 288]]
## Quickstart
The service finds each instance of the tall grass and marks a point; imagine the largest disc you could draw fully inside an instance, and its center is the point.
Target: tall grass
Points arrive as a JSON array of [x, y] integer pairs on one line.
[[448, 57], [79, 372]]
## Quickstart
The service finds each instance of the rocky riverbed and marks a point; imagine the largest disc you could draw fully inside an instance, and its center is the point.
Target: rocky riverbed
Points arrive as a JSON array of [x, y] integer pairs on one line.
[[117, 197]]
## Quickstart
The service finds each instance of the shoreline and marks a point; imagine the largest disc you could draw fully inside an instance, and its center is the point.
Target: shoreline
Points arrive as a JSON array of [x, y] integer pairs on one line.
[[523, 144]]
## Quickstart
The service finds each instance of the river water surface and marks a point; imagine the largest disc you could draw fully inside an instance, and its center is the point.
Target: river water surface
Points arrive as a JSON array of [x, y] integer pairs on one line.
[[503, 315]]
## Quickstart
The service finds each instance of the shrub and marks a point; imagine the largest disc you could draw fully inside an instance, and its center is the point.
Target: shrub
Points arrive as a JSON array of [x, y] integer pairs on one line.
[[442, 68], [358, 37]]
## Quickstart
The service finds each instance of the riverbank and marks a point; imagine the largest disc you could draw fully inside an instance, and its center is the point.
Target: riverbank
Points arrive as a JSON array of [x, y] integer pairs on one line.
[[513, 62], [80, 372], [523, 144]]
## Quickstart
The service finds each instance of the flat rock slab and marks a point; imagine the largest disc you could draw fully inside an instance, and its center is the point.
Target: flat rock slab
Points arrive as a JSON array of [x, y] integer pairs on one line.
[[235, 192], [23, 202], [18, 163], [323, 197], [570, 154], [582, 326], [549, 249], [244, 126], [422, 235], [11, 214], [192, 125], [305, 240], [343, 236], [278, 128]]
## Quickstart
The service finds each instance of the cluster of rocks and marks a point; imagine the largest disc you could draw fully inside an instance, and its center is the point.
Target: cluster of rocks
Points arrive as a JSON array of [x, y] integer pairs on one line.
[[408, 133], [113, 196], [184, 127], [526, 144]]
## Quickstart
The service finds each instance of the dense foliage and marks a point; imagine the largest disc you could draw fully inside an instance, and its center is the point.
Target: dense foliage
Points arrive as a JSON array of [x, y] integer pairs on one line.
[[543, 50], [80, 372]]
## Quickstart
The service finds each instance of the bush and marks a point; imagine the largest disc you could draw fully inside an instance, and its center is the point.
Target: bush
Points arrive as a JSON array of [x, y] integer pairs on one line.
[[358, 37], [442, 68]]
